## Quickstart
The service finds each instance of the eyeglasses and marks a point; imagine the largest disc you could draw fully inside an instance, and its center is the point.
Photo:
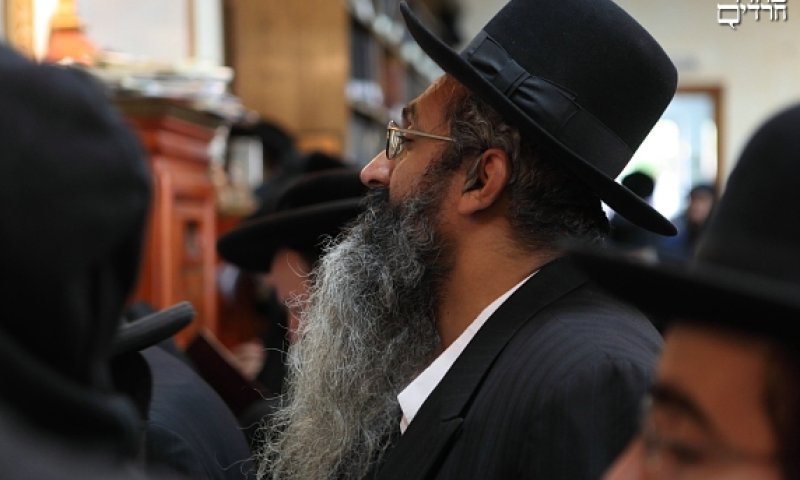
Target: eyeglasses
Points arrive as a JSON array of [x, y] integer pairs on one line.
[[395, 138]]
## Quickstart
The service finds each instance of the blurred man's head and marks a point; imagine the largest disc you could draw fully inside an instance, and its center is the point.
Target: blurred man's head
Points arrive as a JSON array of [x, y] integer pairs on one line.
[[288, 275], [73, 199], [701, 201], [640, 183], [730, 418], [286, 241], [726, 399], [74, 194]]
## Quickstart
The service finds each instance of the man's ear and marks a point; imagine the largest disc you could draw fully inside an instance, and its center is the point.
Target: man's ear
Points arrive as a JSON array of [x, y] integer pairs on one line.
[[485, 181]]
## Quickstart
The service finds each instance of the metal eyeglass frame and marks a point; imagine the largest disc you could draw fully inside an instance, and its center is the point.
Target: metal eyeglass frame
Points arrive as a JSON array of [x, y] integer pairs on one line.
[[394, 137]]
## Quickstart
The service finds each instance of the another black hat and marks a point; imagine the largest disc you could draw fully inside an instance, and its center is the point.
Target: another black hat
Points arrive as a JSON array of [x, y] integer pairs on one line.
[[746, 272], [311, 207], [581, 75]]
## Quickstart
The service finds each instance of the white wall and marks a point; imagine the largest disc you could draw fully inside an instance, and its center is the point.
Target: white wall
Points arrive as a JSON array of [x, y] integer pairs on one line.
[[758, 65], [158, 30], [209, 40]]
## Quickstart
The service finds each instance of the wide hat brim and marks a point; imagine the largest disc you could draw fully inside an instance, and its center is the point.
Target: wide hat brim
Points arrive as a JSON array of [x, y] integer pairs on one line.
[[151, 329], [616, 196], [253, 244], [696, 293]]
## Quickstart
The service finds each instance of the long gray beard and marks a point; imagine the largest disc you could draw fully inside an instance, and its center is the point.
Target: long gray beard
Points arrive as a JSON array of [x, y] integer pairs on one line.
[[367, 330]]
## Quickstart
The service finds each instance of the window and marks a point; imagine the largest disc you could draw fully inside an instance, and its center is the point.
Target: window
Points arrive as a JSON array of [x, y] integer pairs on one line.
[[682, 150]]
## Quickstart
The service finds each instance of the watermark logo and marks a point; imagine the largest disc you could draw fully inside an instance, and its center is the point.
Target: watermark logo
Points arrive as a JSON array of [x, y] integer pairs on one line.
[[731, 14]]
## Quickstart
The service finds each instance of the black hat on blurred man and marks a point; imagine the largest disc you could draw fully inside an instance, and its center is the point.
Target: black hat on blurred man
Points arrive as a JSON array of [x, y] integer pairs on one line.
[[310, 208]]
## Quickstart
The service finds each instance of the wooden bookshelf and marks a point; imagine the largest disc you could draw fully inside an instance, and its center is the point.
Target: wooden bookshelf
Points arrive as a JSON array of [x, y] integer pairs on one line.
[[331, 71], [291, 63], [387, 69]]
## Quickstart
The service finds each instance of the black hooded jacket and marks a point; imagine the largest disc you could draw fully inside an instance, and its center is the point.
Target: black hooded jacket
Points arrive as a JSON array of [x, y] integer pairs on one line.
[[74, 193]]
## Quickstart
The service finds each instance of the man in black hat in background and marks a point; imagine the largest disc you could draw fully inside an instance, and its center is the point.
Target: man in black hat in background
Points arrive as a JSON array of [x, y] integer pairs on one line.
[[245, 249], [74, 192], [726, 399], [445, 334], [285, 243]]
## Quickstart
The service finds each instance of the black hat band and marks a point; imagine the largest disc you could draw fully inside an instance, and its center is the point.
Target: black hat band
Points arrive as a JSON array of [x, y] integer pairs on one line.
[[554, 108]]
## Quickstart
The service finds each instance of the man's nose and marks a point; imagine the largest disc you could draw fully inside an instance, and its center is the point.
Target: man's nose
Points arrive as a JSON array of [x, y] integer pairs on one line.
[[377, 172]]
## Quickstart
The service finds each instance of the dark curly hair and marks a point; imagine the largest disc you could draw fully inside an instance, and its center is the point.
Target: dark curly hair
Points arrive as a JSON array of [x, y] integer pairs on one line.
[[548, 204]]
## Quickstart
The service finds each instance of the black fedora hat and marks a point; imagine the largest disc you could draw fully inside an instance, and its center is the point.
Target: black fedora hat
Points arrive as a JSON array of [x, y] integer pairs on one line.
[[746, 272], [311, 207], [580, 75], [152, 328]]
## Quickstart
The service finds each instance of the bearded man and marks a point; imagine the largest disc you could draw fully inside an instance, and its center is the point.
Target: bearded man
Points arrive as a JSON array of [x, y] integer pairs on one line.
[[446, 335]]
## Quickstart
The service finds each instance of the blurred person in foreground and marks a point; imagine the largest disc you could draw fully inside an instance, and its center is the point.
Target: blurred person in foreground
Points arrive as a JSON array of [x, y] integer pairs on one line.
[[726, 401], [74, 193], [445, 335]]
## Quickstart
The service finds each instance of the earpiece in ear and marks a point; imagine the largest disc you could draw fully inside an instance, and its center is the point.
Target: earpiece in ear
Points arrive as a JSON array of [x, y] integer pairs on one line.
[[473, 180]]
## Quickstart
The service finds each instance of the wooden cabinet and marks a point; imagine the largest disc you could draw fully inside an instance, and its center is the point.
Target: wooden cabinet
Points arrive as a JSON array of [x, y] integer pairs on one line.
[[179, 261]]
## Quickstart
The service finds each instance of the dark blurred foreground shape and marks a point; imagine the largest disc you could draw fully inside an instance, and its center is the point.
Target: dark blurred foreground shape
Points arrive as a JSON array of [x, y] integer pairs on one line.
[[74, 192], [74, 196]]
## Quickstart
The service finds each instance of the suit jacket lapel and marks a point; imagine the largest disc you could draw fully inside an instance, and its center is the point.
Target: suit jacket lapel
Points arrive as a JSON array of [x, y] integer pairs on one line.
[[422, 447]]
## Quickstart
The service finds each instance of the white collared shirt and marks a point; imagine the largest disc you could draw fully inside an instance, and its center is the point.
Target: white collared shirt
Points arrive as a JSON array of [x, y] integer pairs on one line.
[[414, 395]]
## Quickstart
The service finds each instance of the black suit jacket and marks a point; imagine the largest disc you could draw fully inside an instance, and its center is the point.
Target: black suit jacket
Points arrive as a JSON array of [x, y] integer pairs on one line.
[[190, 429], [549, 389]]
